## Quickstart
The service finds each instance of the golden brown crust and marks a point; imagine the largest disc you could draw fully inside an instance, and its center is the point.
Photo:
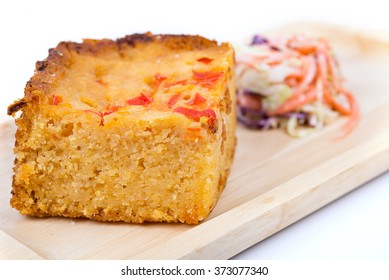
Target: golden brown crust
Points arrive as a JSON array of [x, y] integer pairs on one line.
[[46, 73], [61, 57], [174, 42], [16, 106]]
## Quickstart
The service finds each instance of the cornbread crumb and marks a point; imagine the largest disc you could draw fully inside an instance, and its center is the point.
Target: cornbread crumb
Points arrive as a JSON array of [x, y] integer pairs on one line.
[[138, 129]]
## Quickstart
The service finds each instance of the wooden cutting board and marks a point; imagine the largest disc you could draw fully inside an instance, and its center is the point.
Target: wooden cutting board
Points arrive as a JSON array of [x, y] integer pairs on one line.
[[275, 180]]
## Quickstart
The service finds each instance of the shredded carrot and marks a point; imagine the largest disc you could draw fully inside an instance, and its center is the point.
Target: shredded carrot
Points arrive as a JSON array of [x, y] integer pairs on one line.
[[322, 65], [295, 102], [302, 44], [309, 74], [354, 115], [335, 105], [319, 67]]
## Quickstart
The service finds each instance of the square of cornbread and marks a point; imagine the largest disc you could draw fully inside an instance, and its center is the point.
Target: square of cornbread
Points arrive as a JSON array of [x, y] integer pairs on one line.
[[138, 129]]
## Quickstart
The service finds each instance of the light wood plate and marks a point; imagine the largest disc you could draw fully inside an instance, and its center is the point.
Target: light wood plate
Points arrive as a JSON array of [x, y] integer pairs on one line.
[[275, 180]]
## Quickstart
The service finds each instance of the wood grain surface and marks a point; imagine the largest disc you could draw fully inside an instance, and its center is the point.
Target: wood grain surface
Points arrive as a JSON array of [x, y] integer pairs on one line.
[[275, 181]]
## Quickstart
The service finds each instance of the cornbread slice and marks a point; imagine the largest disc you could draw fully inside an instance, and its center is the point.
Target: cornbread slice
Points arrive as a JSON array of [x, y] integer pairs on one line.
[[137, 129]]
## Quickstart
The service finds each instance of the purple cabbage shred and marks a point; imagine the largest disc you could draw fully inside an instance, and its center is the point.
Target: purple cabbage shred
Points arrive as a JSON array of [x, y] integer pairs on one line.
[[259, 40]]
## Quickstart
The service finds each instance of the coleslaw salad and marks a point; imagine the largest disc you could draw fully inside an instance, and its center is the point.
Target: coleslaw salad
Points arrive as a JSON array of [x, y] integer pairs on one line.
[[292, 82]]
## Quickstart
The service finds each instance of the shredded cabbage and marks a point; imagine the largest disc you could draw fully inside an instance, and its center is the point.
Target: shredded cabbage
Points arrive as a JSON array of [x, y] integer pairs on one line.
[[290, 82]]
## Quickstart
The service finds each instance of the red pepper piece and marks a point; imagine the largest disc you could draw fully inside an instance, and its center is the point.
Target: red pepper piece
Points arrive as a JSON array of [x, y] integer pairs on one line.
[[141, 100], [55, 99], [159, 79], [173, 100], [181, 82], [197, 100], [206, 79], [205, 60], [196, 114], [101, 114], [106, 113], [113, 108], [101, 82]]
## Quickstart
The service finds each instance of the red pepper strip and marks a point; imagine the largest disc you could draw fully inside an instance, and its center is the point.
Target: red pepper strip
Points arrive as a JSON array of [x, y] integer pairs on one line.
[[206, 79], [101, 82], [181, 82], [173, 100], [205, 60], [106, 113], [55, 99], [197, 100], [113, 108], [141, 100], [194, 128], [100, 114], [196, 115], [159, 79]]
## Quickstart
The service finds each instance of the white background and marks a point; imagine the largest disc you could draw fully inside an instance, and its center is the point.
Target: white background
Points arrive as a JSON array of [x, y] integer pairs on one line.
[[354, 227]]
